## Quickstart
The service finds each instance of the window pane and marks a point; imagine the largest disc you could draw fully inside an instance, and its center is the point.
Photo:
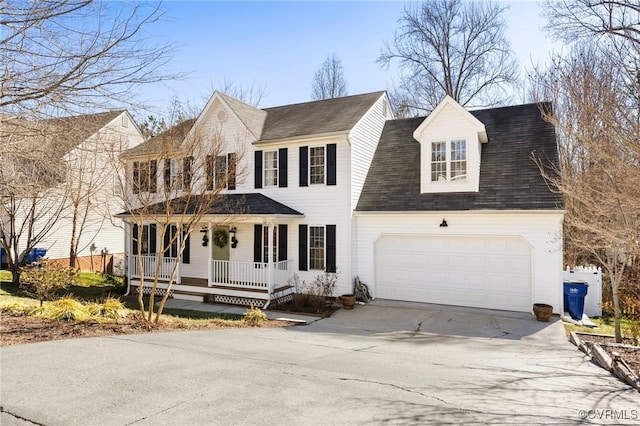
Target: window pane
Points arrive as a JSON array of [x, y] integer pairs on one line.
[[316, 247], [271, 168], [265, 243], [316, 165], [458, 160], [438, 161]]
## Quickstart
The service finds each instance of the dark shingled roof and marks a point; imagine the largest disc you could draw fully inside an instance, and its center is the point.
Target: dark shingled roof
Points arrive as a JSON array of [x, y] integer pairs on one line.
[[318, 117], [225, 204], [283, 122], [509, 178], [165, 142]]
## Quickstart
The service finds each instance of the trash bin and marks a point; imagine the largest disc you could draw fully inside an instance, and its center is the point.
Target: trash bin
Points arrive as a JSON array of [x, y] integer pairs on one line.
[[574, 294], [36, 254]]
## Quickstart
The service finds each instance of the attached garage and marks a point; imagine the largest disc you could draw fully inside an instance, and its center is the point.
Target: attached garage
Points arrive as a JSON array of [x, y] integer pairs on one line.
[[478, 271]]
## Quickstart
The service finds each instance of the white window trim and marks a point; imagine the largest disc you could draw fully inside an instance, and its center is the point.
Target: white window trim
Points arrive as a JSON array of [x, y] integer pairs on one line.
[[264, 169], [324, 247], [324, 164], [448, 162]]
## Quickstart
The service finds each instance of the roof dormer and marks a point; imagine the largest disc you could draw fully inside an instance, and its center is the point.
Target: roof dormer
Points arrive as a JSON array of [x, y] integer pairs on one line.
[[450, 145]]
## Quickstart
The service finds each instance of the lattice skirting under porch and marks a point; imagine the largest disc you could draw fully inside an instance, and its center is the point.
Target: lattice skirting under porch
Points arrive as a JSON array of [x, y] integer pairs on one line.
[[159, 291], [235, 300], [282, 299]]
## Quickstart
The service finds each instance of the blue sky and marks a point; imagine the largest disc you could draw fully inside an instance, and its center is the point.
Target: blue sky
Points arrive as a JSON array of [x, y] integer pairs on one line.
[[280, 45]]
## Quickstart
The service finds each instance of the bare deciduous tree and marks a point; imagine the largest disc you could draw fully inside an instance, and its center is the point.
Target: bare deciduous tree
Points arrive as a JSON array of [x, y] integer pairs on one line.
[[596, 117], [455, 48], [74, 54], [569, 20], [329, 82], [167, 188], [32, 190]]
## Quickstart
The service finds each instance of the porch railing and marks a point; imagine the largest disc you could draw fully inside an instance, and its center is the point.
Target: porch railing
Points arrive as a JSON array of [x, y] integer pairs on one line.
[[167, 265], [250, 275]]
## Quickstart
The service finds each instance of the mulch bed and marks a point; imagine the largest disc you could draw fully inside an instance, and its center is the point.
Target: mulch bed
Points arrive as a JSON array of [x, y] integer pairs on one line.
[[322, 312], [630, 353], [16, 330]]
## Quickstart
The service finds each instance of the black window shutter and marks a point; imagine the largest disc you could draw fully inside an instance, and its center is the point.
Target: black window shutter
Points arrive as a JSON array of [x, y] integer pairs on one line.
[[282, 167], [257, 243], [331, 164], [209, 172], [135, 239], [231, 170], [167, 174], [166, 242], [152, 239], [153, 176], [302, 248], [282, 242], [330, 260], [186, 172], [136, 177], [304, 166], [257, 172], [186, 253]]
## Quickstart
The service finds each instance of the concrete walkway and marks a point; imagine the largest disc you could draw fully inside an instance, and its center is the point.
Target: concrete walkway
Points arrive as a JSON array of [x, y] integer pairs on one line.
[[221, 308], [384, 363]]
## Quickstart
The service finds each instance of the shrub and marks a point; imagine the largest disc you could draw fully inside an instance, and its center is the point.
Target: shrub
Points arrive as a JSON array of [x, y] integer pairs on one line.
[[63, 309], [113, 309], [324, 284], [47, 279], [13, 308], [254, 317]]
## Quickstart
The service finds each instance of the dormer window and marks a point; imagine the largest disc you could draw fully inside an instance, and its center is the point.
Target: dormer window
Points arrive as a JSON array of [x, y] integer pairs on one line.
[[449, 161]]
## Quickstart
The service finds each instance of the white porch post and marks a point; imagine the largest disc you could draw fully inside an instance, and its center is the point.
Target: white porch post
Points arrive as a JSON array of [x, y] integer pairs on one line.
[[270, 258], [209, 258], [179, 231], [128, 244]]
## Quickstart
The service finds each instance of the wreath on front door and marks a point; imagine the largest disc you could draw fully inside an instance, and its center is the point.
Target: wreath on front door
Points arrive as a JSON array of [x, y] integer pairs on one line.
[[220, 238]]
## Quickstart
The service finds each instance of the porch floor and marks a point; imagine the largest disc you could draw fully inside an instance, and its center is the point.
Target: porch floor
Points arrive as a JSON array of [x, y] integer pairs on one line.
[[221, 308]]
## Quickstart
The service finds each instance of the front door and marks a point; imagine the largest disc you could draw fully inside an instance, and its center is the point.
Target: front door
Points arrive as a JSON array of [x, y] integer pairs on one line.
[[220, 253]]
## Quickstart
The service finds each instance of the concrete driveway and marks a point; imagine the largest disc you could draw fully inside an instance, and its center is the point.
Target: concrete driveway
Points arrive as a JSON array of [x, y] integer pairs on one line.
[[384, 363]]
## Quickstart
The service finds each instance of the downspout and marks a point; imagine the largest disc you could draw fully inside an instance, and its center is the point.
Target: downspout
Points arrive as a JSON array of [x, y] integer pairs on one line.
[[127, 255]]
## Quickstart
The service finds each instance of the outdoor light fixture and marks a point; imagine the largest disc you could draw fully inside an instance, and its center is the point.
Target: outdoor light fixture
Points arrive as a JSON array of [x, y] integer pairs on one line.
[[234, 241], [444, 223], [205, 237]]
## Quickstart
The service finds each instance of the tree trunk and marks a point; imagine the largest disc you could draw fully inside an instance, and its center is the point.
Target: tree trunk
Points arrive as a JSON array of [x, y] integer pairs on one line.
[[72, 247], [15, 274], [617, 312]]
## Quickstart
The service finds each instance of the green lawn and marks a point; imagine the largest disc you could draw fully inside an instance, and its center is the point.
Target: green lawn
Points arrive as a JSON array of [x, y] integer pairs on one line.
[[604, 326]]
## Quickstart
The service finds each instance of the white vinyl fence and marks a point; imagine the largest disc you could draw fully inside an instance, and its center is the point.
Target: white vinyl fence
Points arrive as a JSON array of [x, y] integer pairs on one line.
[[592, 276]]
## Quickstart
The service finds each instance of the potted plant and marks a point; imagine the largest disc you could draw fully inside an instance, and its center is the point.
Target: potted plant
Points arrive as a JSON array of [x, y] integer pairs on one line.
[[542, 311]]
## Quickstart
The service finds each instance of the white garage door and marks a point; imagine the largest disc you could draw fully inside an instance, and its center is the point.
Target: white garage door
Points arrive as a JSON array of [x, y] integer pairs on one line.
[[483, 272]]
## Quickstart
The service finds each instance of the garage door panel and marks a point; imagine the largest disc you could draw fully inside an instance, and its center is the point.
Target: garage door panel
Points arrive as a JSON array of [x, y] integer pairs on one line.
[[487, 272]]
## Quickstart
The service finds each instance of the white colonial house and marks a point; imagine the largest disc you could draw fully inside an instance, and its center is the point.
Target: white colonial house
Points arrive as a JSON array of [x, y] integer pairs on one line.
[[86, 145], [449, 208]]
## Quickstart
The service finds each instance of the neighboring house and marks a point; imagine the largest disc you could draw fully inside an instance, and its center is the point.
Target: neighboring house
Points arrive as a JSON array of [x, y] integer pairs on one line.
[[86, 146], [451, 208]]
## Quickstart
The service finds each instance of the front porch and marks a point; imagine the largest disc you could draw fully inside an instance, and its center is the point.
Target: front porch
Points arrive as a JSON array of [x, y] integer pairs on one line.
[[244, 283]]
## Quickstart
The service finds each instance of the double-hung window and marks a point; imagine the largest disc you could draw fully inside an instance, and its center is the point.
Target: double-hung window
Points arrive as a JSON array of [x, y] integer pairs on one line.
[[316, 165], [265, 244], [144, 240], [173, 171], [144, 176], [449, 161], [221, 172], [316, 247], [271, 168]]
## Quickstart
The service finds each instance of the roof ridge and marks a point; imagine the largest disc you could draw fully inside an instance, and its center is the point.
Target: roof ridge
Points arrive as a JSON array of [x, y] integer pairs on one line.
[[380, 92]]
